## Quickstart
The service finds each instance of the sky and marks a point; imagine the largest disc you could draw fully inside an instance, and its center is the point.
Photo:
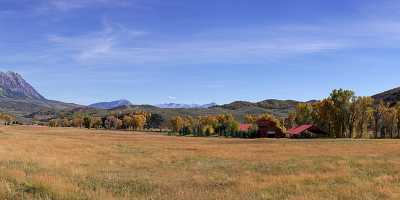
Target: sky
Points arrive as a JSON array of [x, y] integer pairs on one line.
[[190, 51]]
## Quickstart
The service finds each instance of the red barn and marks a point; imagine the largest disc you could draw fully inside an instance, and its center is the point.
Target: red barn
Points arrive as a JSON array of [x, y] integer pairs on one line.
[[245, 127], [306, 131], [269, 129]]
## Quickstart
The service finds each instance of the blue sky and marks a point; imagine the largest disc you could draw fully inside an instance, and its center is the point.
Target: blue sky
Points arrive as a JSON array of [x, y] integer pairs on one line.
[[190, 51]]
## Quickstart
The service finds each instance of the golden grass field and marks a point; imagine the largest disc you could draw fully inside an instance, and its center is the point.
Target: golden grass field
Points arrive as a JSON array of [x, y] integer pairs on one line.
[[67, 163]]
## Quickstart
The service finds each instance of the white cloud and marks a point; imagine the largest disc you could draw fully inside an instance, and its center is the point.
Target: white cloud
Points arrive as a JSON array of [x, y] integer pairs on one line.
[[172, 98]]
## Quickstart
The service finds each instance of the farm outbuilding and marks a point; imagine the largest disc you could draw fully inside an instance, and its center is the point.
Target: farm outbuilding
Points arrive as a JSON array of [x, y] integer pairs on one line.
[[245, 127], [306, 131], [269, 129]]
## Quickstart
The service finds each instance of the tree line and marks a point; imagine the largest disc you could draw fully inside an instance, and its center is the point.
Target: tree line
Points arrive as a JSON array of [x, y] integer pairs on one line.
[[344, 115], [7, 119], [128, 121], [204, 125], [219, 125]]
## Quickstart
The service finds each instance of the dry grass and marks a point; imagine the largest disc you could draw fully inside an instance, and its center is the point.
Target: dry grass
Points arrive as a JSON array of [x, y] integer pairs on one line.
[[43, 163]]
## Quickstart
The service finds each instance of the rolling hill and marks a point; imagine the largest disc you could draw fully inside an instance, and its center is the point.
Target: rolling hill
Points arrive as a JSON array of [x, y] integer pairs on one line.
[[176, 105], [391, 96], [111, 105], [239, 112], [238, 109]]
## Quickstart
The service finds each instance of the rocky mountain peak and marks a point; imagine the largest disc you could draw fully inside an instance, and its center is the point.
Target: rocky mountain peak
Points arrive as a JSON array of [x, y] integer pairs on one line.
[[13, 85]]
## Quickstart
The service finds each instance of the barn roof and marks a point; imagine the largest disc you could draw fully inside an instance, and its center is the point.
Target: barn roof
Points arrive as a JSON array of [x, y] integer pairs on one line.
[[245, 127], [306, 127], [265, 122]]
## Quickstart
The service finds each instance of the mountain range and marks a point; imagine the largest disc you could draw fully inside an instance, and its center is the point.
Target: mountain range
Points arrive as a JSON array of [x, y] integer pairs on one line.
[[111, 104], [19, 98], [176, 105]]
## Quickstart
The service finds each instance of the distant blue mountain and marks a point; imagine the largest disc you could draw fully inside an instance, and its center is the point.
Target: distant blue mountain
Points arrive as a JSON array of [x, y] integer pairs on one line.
[[176, 105], [111, 105]]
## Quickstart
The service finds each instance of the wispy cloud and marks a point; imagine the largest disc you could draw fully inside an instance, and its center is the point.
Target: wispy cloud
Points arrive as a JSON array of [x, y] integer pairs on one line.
[[84, 48], [66, 5], [95, 45], [381, 9], [118, 44], [124, 45], [57, 8]]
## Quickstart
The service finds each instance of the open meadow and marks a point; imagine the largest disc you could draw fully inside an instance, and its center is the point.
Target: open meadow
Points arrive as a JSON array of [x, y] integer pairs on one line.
[[68, 163]]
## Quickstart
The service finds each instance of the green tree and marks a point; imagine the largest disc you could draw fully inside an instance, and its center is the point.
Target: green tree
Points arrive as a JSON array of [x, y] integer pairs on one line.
[[323, 115], [389, 122], [363, 107], [127, 122], [112, 122], [378, 118], [155, 121], [53, 123], [96, 122], [397, 107], [250, 119], [342, 100], [87, 122], [77, 120], [177, 124], [208, 130], [207, 124], [139, 121], [290, 121], [276, 122], [65, 122], [7, 118], [304, 114], [225, 124]]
